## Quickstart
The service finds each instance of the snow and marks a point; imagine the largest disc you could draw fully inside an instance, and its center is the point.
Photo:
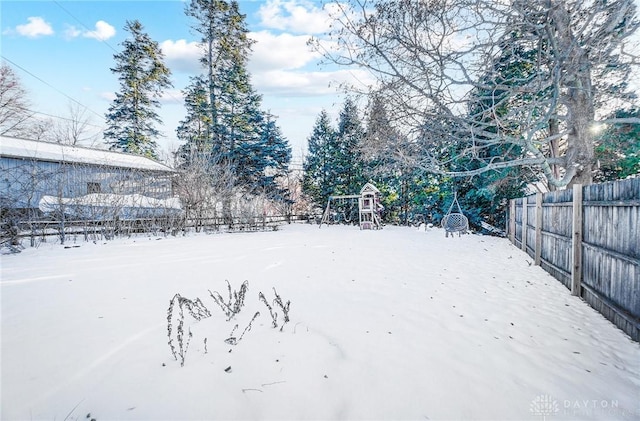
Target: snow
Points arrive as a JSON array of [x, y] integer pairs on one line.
[[56, 152], [95, 204], [390, 324]]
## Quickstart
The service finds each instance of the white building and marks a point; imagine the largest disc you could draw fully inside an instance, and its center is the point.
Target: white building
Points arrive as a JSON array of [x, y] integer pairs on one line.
[[32, 169]]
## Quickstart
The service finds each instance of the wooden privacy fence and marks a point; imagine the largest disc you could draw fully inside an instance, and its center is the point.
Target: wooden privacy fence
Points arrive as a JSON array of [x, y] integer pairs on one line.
[[588, 238]]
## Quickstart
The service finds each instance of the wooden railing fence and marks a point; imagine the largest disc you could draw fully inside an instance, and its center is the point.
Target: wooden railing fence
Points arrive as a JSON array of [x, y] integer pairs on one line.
[[37, 231], [588, 238]]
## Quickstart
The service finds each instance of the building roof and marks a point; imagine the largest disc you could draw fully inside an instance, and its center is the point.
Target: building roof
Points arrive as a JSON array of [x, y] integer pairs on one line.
[[367, 188], [12, 147]]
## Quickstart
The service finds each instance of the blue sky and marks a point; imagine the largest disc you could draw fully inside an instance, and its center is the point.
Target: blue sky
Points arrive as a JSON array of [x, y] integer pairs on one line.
[[63, 51]]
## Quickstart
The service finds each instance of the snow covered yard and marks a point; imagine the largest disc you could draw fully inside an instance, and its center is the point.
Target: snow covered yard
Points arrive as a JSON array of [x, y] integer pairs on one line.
[[392, 324]]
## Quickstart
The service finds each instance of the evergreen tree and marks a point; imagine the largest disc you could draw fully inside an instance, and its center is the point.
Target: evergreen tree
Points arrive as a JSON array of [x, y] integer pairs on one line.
[[195, 129], [618, 148], [272, 160], [224, 122], [318, 179], [241, 120], [131, 118], [238, 103], [232, 106], [399, 183], [493, 110], [209, 18], [346, 157], [223, 110]]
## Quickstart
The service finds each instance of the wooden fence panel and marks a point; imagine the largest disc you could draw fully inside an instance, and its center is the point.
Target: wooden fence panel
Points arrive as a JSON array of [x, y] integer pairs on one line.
[[518, 219], [557, 214], [555, 257], [611, 243], [531, 225], [607, 239]]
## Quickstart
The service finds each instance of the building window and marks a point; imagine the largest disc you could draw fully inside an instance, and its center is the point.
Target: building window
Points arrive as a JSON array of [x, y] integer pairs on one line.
[[93, 188]]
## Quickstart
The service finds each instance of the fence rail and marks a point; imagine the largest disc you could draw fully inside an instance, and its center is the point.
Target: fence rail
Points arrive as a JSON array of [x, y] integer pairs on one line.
[[588, 238], [37, 231]]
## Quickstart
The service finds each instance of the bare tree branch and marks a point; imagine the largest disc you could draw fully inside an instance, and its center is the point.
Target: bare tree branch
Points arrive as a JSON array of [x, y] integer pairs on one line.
[[464, 79]]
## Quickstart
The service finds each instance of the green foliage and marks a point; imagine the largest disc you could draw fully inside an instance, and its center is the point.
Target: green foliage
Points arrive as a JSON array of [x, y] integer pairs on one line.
[[494, 113], [318, 176], [618, 148], [334, 165], [224, 122], [485, 198], [345, 155], [195, 129], [275, 156], [131, 118]]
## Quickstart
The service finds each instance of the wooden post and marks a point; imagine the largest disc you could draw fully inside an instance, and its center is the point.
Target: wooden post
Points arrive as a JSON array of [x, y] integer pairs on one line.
[[576, 269], [512, 221], [525, 211], [538, 250], [325, 215]]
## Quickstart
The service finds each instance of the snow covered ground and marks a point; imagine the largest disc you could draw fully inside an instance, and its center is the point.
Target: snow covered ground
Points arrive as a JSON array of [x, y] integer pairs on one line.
[[392, 324]]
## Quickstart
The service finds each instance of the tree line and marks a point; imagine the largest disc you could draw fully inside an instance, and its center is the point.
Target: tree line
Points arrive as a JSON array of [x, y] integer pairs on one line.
[[521, 83], [230, 147], [479, 97], [228, 140], [359, 147], [486, 98]]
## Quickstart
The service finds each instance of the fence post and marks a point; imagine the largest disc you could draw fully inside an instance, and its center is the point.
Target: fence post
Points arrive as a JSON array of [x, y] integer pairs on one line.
[[576, 243], [512, 221], [525, 223], [538, 251]]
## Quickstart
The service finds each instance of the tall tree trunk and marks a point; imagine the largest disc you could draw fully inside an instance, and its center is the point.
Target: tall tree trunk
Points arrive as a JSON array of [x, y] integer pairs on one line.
[[578, 97], [554, 149]]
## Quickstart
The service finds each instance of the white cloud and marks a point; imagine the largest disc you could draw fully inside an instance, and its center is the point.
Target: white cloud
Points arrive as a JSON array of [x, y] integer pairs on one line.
[[298, 83], [103, 31], [182, 55], [35, 28], [109, 96], [283, 51], [280, 65], [72, 32], [298, 16]]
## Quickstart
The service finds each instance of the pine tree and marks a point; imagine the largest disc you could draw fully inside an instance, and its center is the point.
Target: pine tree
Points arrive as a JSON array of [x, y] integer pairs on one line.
[[347, 159], [231, 103], [400, 184], [132, 118], [223, 109], [318, 180], [224, 120], [276, 157], [241, 118], [195, 129], [209, 17], [618, 148], [493, 113]]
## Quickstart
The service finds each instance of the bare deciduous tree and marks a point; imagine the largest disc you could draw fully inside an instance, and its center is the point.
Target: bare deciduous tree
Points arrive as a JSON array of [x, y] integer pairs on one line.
[[203, 186], [500, 83], [15, 116], [74, 129]]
